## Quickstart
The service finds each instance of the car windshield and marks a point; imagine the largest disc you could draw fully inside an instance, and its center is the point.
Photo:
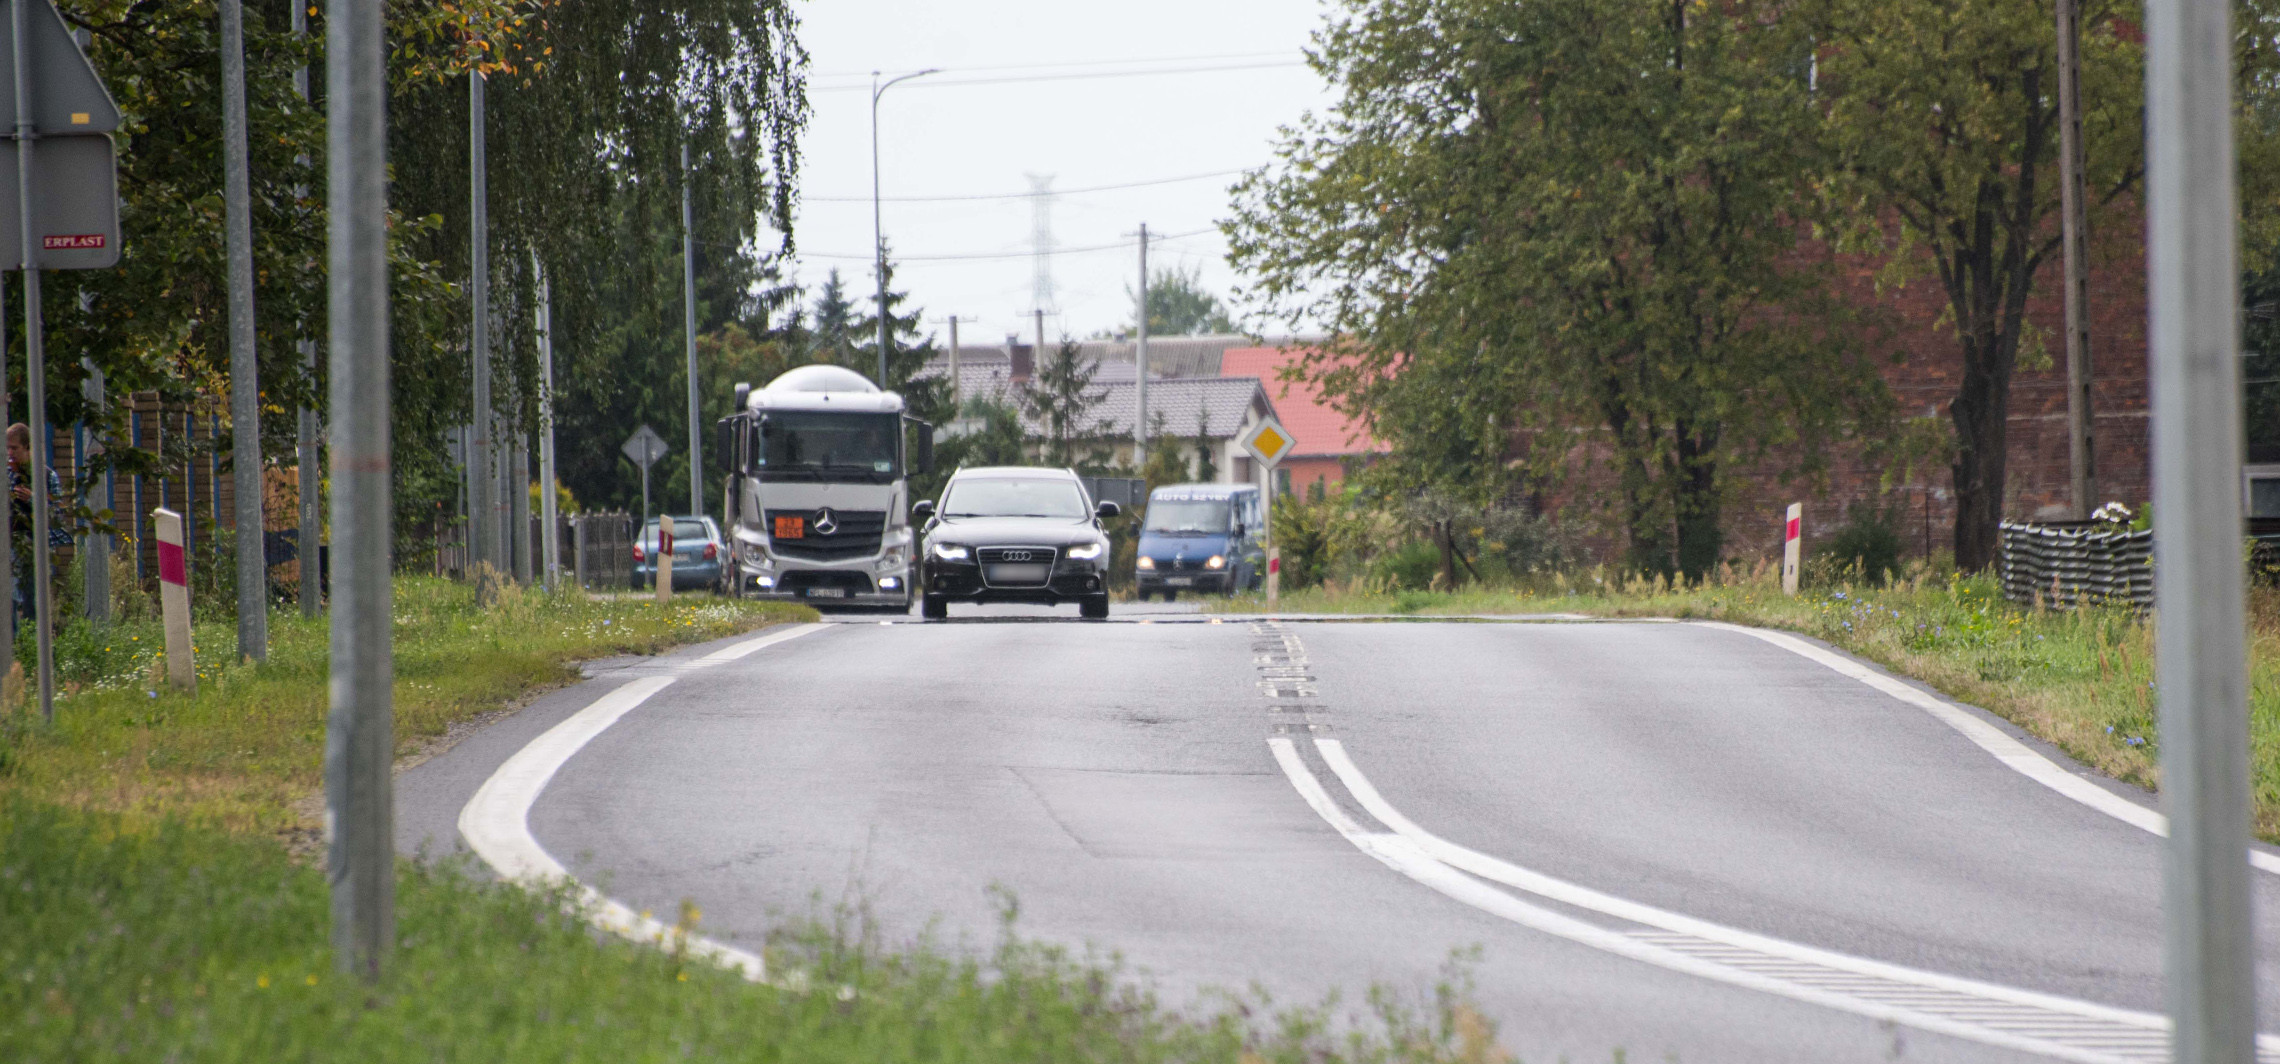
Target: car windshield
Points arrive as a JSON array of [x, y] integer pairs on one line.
[[1008, 497], [818, 446], [1187, 517]]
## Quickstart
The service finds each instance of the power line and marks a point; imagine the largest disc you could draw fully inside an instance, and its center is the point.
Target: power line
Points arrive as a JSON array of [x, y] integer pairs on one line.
[[1080, 63], [1005, 254], [1094, 75], [1026, 195]]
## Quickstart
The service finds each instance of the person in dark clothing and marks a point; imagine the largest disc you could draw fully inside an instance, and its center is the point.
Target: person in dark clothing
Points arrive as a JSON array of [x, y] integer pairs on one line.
[[20, 519]]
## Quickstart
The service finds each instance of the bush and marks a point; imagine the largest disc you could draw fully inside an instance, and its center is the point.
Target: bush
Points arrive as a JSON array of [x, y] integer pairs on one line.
[[1865, 551], [1302, 531], [1414, 566]]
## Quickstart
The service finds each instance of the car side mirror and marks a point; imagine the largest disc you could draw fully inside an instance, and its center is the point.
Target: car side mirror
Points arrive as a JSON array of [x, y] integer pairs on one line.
[[922, 511], [1107, 510]]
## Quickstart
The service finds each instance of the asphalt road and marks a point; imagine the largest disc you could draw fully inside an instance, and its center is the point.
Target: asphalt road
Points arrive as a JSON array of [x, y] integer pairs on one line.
[[1119, 780]]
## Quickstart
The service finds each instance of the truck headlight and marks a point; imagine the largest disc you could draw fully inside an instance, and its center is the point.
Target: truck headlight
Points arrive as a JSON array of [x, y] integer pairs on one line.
[[951, 552], [890, 561], [1086, 552], [1145, 562], [1218, 561]]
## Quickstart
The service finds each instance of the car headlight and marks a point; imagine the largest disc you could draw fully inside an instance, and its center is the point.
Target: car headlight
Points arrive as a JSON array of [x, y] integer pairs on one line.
[[1087, 552], [1218, 561], [1146, 562], [951, 552]]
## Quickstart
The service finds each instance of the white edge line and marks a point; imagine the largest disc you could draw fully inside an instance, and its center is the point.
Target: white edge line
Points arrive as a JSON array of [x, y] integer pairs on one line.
[[1404, 855], [496, 822], [2017, 756]]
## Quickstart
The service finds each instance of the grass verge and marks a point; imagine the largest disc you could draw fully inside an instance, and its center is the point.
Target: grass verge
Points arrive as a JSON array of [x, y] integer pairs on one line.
[[2081, 679]]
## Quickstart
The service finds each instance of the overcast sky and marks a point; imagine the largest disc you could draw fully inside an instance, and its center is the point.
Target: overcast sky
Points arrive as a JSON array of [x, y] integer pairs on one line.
[[938, 137]]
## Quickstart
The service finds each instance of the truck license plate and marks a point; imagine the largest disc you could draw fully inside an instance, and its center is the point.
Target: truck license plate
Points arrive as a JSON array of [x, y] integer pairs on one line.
[[1179, 581], [827, 592], [791, 528]]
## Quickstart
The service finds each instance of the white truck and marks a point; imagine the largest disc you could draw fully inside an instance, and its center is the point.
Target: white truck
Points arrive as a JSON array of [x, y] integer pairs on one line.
[[818, 497]]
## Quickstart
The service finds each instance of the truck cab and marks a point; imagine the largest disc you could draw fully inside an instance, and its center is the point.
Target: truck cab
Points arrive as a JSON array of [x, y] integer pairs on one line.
[[818, 499]]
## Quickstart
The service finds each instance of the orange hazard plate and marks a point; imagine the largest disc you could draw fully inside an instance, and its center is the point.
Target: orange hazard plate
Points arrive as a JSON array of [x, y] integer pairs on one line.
[[791, 528]]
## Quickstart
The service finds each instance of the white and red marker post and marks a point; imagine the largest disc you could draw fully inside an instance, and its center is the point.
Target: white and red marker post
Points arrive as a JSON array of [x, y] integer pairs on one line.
[[1274, 575], [1792, 547], [664, 567], [174, 600]]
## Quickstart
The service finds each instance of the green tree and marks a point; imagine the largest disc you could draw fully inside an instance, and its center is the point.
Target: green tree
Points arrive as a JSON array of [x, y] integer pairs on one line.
[[1944, 115], [1179, 305], [926, 397], [1558, 234], [832, 334], [1060, 398]]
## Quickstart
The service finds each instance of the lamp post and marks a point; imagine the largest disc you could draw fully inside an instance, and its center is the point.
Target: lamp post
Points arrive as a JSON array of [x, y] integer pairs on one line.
[[878, 234]]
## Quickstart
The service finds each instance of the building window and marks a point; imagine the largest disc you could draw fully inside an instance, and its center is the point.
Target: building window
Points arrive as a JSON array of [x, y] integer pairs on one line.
[[1243, 469], [1282, 482]]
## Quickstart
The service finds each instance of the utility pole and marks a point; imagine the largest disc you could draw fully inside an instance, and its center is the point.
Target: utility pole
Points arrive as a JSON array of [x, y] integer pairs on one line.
[[1140, 364], [955, 399], [35, 366], [2081, 415], [359, 735], [689, 338], [482, 480], [245, 365], [305, 445], [550, 558], [2201, 651], [1037, 358]]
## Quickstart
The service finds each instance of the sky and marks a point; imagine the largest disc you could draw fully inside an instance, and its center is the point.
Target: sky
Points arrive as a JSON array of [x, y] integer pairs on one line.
[[1005, 106]]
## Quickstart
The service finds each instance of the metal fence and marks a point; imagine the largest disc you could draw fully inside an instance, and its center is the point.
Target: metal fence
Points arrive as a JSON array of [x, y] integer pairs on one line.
[[2061, 565], [601, 551]]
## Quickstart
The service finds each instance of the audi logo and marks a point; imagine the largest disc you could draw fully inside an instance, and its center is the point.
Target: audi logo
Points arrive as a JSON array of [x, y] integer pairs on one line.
[[1017, 556]]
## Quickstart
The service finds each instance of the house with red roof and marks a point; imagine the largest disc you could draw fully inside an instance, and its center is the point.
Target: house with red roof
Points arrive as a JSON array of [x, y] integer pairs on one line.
[[1327, 443]]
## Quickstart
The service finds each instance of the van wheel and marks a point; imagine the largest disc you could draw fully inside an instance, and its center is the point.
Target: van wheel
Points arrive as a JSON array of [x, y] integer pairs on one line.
[[1171, 595], [1141, 596], [934, 608], [1094, 608]]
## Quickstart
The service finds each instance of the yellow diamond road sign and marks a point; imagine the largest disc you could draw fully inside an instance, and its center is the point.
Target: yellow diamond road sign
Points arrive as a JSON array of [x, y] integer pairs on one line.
[[1269, 442]]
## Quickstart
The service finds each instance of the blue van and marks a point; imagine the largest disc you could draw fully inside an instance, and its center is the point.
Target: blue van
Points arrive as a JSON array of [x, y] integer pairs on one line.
[[1201, 537]]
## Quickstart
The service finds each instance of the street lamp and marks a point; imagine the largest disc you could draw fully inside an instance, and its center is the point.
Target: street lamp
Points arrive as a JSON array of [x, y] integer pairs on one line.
[[878, 235]]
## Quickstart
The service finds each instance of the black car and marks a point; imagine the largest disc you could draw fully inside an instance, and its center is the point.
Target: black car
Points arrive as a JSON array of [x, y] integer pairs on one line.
[[1013, 534]]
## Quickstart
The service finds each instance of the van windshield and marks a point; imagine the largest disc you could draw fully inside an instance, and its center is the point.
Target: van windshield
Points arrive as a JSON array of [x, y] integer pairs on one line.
[[806, 445], [1187, 517]]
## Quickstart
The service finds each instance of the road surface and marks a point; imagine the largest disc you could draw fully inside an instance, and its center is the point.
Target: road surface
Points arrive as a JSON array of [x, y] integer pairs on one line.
[[1675, 840]]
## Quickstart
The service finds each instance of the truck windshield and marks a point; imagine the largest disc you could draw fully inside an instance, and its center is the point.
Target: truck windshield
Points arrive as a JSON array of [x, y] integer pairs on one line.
[[1187, 517], [981, 497], [803, 445]]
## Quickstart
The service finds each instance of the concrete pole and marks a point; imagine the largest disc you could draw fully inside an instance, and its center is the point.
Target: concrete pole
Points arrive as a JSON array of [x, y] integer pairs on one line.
[[954, 400], [359, 736], [2201, 651], [689, 339], [245, 364], [1140, 364], [2081, 416], [482, 488], [551, 554], [307, 478], [8, 559], [35, 367]]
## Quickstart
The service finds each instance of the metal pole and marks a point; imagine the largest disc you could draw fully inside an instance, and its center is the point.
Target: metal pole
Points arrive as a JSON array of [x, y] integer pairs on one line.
[[359, 743], [2081, 415], [2201, 652], [35, 368], [954, 400], [483, 526], [8, 504], [305, 446], [551, 559], [1140, 364], [878, 232], [689, 337], [245, 365]]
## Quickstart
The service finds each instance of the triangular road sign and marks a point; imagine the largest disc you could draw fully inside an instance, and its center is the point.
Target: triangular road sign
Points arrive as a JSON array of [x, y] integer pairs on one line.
[[67, 97]]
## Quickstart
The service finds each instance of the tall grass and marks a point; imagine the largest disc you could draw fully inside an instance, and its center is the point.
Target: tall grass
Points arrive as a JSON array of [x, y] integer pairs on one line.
[[2081, 679], [251, 741]]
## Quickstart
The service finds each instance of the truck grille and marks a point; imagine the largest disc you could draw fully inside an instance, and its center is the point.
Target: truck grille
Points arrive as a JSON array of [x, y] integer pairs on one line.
[[853, 533]]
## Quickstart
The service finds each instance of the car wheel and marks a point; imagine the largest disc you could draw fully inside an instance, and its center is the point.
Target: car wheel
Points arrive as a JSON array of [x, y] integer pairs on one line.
[[934, 608], [1094, 607], [1140, 596], [1171, 595]]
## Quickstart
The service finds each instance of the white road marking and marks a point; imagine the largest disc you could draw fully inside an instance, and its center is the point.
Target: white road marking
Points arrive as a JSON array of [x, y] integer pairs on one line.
[[496, 822], [2116, 1043], [2012, 753]]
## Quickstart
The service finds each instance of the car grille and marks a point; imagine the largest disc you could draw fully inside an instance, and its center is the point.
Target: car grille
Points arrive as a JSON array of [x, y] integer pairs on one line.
[[856, 534], [1016, 566]]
